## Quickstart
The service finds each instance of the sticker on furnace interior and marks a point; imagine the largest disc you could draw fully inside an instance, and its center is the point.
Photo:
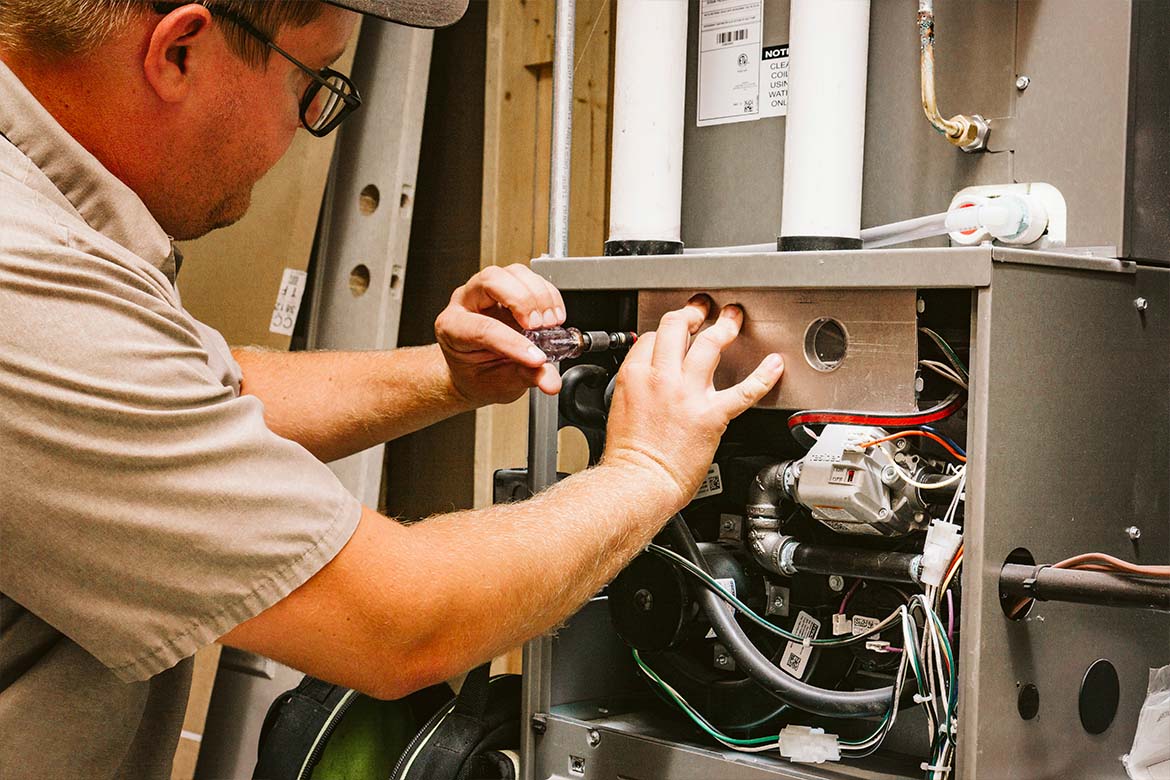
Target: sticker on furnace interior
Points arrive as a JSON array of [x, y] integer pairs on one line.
[[730, 36], [728, 585], [774, 81], [712, 483], [796, 654]]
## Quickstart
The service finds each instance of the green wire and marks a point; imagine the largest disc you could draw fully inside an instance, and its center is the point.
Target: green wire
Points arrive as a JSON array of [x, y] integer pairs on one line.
[[946, 348], [694, 715], [751, 614]]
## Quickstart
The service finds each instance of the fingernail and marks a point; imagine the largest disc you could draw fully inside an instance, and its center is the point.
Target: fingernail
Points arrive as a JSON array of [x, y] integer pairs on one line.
[[732, 309], [700, 298], [773, 362], [560, 314], [537, 353], [535, 319], [550, 317]]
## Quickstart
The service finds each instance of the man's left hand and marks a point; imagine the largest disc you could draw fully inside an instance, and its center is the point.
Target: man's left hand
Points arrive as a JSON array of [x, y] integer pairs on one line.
[[479, 332]]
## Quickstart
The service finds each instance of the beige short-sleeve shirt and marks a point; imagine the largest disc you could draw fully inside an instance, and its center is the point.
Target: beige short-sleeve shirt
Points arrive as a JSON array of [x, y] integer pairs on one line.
[[145, 508]]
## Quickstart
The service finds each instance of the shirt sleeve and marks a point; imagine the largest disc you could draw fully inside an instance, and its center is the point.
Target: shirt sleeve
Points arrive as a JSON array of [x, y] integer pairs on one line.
[[145, 508]]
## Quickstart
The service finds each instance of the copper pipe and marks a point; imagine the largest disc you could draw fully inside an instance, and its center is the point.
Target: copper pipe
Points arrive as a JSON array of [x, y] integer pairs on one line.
[[961, 130]]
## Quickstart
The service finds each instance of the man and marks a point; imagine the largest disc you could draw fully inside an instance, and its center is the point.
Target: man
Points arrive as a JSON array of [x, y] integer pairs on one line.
[[158, 495]]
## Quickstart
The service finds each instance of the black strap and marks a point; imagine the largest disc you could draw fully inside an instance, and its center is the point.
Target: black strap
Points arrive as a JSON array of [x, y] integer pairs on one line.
[[473, 696]]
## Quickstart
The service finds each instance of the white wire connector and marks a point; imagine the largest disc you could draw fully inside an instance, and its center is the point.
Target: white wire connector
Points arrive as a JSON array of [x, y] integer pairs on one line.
[[942, 542], [807, 745]]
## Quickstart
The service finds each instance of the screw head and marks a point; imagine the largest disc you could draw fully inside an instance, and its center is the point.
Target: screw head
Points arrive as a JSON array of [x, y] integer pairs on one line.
[[1141, 304], [1133, 532], [644, 599], [722, 659], [593, 738], [883, 513], [1022, 82], [836, 583], [728, 525], [778, 601]]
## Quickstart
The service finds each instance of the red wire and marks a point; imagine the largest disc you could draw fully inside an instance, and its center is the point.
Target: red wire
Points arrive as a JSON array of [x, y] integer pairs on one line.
[[949, 407]]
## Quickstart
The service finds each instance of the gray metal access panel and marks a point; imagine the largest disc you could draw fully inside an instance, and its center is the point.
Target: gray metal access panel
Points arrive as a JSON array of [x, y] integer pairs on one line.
[[1068, 434]]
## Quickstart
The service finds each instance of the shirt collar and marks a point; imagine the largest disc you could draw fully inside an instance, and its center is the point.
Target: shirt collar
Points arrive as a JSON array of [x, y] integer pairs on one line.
[[103, 201]]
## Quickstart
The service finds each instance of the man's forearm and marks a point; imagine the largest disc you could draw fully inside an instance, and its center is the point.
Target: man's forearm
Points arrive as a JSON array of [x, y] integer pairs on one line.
[[420, 603], [337, 403]]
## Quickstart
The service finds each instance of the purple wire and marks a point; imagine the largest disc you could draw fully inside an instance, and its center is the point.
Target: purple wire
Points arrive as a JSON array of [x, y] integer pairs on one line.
[[950, 617]]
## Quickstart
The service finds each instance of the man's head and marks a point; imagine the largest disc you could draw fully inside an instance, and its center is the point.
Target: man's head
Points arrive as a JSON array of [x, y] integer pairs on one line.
[[186, 106]]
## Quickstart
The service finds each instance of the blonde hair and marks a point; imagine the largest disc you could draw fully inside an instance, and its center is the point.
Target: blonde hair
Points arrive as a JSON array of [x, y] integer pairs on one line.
[[60, 28]]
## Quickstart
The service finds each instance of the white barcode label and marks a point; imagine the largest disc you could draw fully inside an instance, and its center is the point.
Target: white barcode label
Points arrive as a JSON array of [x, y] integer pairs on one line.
[[712, 485], [862, 624], [288, 302], [731, 36], [796, 655]]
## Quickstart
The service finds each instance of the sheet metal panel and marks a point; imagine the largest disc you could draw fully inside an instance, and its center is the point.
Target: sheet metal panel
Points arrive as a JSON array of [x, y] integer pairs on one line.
[[881, 351]]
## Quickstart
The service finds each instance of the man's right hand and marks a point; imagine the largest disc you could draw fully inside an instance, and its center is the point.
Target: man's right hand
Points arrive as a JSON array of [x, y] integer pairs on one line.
[[666, 416]]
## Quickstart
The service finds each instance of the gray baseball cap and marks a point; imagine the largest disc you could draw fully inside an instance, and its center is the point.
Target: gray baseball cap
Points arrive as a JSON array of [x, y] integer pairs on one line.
[[416, 13]]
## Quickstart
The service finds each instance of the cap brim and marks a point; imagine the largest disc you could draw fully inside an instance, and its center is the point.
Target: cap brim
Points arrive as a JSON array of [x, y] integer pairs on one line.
[[416, 13]]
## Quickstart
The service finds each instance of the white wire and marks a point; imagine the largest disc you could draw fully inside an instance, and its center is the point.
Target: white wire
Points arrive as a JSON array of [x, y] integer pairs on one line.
[[958, 475], [945, 371]]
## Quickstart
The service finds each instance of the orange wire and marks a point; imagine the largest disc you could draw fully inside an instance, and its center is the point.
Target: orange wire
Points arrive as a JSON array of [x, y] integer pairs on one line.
[[927, 434]]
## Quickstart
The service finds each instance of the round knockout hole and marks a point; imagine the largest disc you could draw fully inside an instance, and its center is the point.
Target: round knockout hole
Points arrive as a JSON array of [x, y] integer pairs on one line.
[[825, 344], [368, 199], [359, 280], [1028, 701], [1011, 605], [1100, 692]]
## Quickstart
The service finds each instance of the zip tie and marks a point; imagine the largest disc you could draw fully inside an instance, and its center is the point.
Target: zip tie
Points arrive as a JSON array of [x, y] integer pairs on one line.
[[920, 699], [925, 767], [806, 641]]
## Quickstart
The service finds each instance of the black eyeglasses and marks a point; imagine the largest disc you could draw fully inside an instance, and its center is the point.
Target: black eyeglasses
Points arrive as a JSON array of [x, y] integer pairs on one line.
[[321, 112]]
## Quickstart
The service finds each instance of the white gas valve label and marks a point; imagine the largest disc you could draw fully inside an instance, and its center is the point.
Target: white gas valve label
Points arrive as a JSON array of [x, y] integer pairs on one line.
[[288, 302], [712, 484], [796, 655]]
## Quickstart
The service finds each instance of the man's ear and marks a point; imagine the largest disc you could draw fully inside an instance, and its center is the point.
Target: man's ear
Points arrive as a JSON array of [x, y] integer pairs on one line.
[[166, 63]]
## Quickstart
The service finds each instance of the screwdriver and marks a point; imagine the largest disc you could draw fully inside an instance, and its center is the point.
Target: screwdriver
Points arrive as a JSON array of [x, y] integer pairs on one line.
[[564, 343]]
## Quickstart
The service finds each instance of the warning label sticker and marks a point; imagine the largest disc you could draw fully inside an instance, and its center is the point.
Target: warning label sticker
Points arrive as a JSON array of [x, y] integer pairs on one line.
[[774, 81]]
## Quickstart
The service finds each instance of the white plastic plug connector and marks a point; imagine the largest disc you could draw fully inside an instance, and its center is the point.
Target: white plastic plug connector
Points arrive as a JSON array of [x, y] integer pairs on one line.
[[942, 542], [807, 745], [1011, 218]]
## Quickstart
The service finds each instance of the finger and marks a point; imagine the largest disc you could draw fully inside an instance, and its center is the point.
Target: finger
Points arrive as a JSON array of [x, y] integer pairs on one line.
[[642, 351], [703, 356], [675, 331], [558, 302], [539, 307], [468, 332], [548, 379], [734, 401], [494, 285]]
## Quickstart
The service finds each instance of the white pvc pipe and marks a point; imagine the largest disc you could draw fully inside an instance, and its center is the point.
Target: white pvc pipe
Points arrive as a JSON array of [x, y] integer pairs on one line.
[[649, 92], [825, 127]]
